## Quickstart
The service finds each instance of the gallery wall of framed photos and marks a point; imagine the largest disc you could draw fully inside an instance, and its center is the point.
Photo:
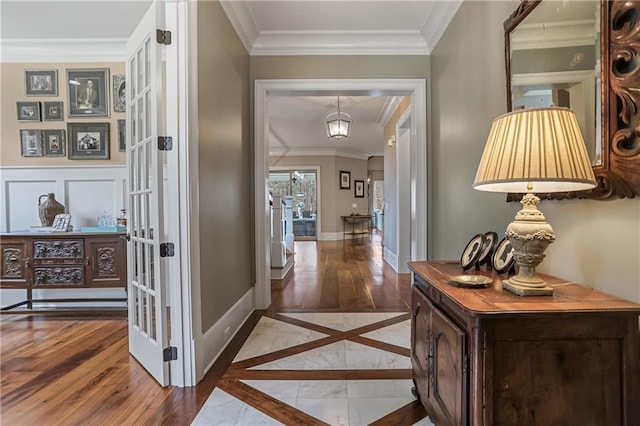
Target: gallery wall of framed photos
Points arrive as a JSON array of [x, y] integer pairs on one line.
[[43, 102]]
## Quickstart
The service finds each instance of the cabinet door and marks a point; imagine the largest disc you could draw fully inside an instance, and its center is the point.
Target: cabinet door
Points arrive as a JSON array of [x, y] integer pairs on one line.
[[14, 265], [447, 402], [419, 340], [106, 262]]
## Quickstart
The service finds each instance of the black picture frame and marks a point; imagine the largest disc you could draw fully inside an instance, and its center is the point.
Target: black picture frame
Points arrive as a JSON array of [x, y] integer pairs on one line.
[[41, 82], [88, 141], [358, 188], [119, 93], [488, 247], [502, 260], [31, 143], [28, 111], [55, 143], [53, 111], [471, 252], [345, 179], [81, 102], [122, 135]]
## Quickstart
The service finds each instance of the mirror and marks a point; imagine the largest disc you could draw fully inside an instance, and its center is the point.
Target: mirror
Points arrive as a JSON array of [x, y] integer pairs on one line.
[[583, 55]]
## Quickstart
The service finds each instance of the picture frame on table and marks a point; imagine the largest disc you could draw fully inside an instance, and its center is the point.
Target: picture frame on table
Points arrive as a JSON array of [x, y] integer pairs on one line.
[[88, 92], [502, 260], [119, 93], [88, 141], [31, 142], [345, 179], [122, 135], [472, 252], [54, 143], [358, 188], [41, 82], [53, 111], [61, 222], [28, 111], [488, 247]]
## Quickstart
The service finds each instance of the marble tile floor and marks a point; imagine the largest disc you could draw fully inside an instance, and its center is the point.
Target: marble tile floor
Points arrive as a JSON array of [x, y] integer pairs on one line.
[[319, 368]]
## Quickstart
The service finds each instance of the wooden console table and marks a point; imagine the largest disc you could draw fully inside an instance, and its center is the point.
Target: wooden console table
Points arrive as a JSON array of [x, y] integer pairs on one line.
[[79, 260], [359, 225], [484, 356]]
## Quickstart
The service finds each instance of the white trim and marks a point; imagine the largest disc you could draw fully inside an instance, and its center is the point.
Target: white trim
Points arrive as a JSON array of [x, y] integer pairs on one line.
[[388, 87], [242, 21], [551, 77], [389, 107], [301, 152], [405, 191], [280, 273], [63, 50], [436, 25], [405, 42], [391, 258], [210, 345], [330, 236]]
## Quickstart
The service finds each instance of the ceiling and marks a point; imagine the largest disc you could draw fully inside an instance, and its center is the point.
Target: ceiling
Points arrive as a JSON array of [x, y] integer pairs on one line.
[[289, 27]]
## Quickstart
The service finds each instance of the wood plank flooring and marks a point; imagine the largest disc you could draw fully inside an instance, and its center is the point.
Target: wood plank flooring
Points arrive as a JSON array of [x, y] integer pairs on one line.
[[73, 370]]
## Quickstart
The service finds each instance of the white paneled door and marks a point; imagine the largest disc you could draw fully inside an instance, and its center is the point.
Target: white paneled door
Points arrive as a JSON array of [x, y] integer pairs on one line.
[[146, 274]]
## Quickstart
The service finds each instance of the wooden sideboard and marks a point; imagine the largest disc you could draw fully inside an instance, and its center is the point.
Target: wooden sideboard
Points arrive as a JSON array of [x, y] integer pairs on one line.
[[484, 356], [80, 260]]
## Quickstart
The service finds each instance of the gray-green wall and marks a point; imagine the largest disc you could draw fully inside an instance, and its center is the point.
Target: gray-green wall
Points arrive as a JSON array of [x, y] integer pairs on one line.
[[226, 251], [598, 243]]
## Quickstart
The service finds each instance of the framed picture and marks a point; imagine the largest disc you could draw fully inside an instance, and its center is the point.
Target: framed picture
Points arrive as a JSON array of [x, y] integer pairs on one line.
[[122, 135], [52, 111], [28, 111], [41, 82], [472, 252], [358, 188], [88, 92], [61, 222], [54, 143], [345, 180], [502, 260], [31, 143], [88, 141], [488, 246], [119, 94]]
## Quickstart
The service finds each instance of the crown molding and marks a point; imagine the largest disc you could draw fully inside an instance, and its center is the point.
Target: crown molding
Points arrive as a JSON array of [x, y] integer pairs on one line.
[[63, 50], [554, 34], [320, 152], [339, 43], [388, 109], [439, 21], [242, 21]]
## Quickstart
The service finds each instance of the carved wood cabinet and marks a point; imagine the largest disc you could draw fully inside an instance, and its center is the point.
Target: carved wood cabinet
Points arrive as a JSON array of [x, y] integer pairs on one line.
[[34, 261], [484, 356]]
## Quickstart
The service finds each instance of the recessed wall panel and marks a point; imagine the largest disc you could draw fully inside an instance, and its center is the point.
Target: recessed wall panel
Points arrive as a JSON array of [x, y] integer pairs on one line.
[[22, 203], [90, 199]]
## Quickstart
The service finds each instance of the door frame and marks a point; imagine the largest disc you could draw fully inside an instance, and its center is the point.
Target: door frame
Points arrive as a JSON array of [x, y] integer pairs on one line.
[[415, 88]]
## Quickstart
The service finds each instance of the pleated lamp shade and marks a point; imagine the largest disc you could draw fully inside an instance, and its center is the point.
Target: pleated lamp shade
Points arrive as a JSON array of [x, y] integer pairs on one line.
[[539, 146]]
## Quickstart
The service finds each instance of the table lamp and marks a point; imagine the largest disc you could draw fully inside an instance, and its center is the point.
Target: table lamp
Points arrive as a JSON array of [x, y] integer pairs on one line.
[[541, 150]]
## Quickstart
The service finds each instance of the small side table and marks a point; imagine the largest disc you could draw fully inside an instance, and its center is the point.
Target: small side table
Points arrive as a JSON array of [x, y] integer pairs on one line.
[[359, 225]]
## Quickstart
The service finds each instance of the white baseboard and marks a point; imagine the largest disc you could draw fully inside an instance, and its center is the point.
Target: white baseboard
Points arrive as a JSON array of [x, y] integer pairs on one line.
[[280, 273], [210, 345], [391, 258], [330, 236]]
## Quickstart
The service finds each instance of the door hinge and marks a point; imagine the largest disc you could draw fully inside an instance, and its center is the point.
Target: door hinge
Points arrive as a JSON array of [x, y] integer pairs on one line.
[[170, 354], [165, 143], [163, 37], [167, 250]]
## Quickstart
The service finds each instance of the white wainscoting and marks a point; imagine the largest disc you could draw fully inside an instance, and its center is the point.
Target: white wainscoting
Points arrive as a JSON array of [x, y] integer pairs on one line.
[[85, 191]]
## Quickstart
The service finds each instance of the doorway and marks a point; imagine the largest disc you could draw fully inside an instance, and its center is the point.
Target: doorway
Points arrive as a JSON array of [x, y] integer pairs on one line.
[[415, 88], [301, 185]]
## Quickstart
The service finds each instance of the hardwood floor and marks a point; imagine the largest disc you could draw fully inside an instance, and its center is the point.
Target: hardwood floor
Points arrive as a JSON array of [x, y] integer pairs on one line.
[[70, 369]]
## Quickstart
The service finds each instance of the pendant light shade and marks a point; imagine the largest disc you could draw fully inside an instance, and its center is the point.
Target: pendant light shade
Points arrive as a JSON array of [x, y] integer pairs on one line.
[[338, 124]]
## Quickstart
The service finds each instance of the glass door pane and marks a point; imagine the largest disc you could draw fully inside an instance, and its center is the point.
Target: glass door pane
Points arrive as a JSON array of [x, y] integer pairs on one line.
[[302, 186]]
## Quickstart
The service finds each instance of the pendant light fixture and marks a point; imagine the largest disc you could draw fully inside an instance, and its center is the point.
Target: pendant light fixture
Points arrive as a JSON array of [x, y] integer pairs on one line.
[[338, 124]]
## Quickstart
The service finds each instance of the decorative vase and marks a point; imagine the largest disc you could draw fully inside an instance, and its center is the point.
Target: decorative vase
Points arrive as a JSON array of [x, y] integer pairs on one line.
[[48, 209]]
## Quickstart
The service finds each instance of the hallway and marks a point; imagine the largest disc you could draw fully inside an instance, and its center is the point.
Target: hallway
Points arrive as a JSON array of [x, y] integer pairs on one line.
[[332, 349]]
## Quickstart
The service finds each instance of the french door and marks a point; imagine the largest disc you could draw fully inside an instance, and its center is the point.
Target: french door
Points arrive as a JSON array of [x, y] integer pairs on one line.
[[146, 287]]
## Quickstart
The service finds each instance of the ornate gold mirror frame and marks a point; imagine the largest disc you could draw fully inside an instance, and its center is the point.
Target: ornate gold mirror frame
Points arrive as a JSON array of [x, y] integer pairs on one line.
[[618, 174]]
